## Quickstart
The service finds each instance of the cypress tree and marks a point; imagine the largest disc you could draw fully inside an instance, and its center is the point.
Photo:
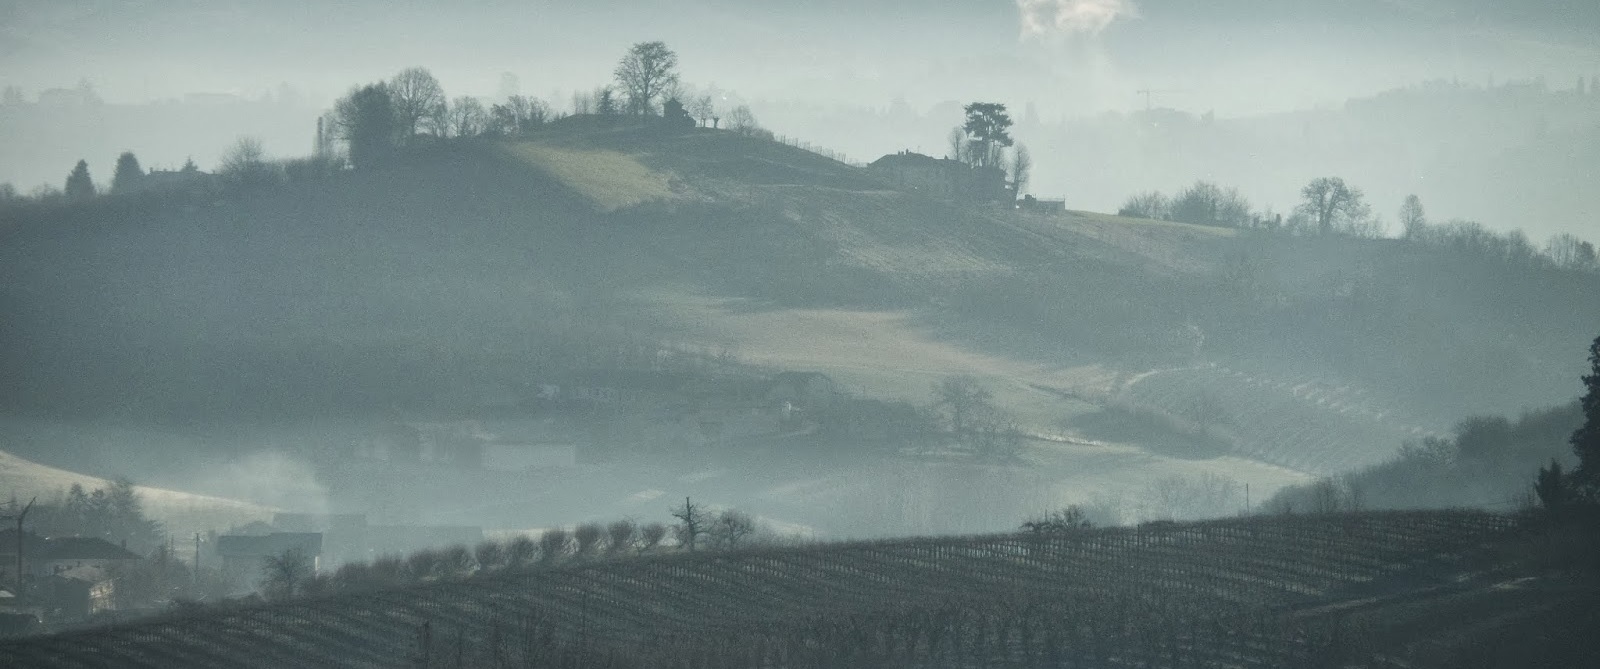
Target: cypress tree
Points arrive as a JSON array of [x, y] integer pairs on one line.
[[128, 173], [79, 185]]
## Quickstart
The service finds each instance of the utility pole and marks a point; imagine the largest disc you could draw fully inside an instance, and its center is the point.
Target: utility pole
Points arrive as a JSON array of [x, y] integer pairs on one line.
[[23, 515], [194, 574]]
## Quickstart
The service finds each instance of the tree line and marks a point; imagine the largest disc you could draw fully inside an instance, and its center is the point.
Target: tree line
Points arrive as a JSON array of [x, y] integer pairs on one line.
[[1331, 207], [371, 122]]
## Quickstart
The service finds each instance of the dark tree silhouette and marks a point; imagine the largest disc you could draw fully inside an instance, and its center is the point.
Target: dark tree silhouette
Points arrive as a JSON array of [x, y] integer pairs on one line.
[[416, 95], [606, 102], [988, 126], [128, 173], [367, 123], [692, 522], [80, 186], [1586, 439], [1330, 204], [283, 575], [1413, 220], [645, 73]]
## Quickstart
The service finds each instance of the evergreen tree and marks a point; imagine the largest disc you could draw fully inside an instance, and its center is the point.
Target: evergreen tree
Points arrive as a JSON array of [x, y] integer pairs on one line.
[[127, 175], [79, 185], [1586, 440], [366, 118]]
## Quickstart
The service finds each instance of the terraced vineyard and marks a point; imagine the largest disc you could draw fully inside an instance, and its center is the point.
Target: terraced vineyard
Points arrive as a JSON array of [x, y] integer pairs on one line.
[[1237, 592], [1312, 426]]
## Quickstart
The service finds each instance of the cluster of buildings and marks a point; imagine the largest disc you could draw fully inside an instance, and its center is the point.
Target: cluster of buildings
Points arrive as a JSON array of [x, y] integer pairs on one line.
[[956, 181], [64, 577]]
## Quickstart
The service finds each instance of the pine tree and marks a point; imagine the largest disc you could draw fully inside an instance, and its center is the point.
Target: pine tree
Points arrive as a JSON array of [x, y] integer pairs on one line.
[[1586, 440], [127, 175], [79, 185]]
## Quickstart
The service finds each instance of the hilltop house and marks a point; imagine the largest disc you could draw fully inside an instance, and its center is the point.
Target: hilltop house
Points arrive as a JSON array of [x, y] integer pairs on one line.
[[944, 178], [1030, 203]]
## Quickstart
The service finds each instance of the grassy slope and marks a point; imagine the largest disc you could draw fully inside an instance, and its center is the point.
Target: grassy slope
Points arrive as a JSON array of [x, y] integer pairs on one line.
[[373, 290]]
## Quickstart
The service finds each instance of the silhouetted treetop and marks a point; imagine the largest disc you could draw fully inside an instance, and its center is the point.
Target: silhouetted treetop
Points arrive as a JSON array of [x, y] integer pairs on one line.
[[80, 186], [647, 71], [128, 173]]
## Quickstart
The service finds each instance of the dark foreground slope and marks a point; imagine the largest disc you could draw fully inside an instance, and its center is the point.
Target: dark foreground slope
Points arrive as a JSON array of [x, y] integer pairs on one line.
[[1262, 592]]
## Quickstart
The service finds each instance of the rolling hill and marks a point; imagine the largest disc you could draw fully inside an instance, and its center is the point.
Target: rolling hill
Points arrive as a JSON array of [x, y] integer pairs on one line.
[[465, 264]]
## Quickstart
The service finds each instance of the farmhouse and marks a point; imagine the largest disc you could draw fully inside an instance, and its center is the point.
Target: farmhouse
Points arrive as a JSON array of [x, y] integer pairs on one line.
[[943, 178], [1030, 203]]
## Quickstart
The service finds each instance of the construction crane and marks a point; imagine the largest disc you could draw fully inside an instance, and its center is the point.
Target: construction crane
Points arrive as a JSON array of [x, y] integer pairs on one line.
[[1147, 92]]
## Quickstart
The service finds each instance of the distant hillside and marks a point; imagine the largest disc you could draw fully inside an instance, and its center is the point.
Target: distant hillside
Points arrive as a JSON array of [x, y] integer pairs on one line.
[[472, 263], [181, 514]]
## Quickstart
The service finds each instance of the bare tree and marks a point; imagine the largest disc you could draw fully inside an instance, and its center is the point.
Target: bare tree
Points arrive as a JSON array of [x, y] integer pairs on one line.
[[691, 523], [647, 71], [1413, 220], [284, 574], [553, 544], [491, 555], [620, 536], [467, 116], [1332, 206], [437, 120], [961, 398], [1206, 203], [415, 94], [741, 120], [1059, 522], [730, 527], [702, 108], [1569, 252], [650, 536], [457, 561], [245, 165], [521, 552], [1152, 205], [1021, 170], [587, 538]]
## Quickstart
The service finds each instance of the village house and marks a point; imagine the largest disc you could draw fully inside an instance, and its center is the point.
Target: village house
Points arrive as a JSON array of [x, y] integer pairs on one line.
[[1032, 204], [71, 576], [944, 178]]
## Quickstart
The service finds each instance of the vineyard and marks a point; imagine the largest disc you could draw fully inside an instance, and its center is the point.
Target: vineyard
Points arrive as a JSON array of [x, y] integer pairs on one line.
[[1317, 427], [1246, 592]]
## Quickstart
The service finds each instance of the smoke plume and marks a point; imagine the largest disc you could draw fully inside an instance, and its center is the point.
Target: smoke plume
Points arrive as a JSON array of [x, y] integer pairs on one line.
[[1051, 18]]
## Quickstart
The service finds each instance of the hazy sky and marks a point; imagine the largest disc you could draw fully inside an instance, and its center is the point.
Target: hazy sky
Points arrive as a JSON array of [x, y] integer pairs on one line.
[[1236, 56]]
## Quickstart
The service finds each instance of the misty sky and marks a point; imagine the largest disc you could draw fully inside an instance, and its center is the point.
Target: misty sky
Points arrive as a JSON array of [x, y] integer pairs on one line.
[[1068, 56]]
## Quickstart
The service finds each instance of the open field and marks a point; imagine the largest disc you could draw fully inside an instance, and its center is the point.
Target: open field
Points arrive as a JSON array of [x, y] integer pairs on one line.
[[1279, 591]]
